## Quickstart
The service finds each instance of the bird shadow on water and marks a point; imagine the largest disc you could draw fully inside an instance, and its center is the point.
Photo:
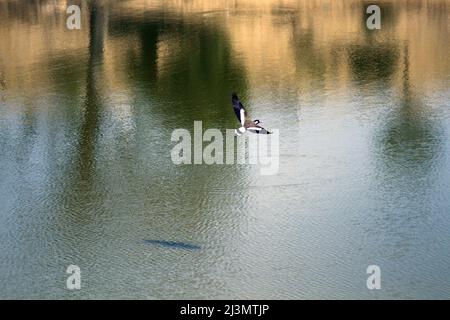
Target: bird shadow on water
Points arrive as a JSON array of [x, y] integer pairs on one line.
[[173, 244]]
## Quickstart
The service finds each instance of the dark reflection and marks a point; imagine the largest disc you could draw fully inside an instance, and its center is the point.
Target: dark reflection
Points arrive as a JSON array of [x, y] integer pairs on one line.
[[81, 194], [376, 58], [375, 61], [29, 129], [2, 81], [309, 60], [68, 72], [411, 139], [173, 244], [203, 74], [199, 76], [407, 149], [141, 67], [2, 87], [92, 103], [23, 11]]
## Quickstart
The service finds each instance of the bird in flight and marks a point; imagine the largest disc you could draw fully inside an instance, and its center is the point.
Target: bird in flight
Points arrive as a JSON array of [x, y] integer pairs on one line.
[[246, 122]]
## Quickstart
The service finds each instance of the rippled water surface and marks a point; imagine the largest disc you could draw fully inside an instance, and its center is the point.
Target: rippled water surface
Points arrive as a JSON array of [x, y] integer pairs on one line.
[[86, 176]]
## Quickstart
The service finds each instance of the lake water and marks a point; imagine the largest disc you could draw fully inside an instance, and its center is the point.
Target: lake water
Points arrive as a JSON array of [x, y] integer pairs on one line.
[[86, 176]]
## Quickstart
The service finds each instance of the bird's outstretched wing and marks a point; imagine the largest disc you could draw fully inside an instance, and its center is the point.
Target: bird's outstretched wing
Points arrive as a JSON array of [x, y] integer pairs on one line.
[[238, 108], [258, 129], [244, 118]]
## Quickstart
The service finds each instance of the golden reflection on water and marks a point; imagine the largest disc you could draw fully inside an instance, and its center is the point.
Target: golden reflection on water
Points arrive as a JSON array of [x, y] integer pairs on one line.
[[281, 43]]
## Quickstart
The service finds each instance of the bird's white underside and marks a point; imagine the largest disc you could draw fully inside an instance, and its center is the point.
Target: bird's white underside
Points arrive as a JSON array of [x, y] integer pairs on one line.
[[242, 117]]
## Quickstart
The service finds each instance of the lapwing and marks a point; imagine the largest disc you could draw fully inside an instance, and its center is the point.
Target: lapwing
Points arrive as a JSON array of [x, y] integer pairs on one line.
[[246, 122]]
